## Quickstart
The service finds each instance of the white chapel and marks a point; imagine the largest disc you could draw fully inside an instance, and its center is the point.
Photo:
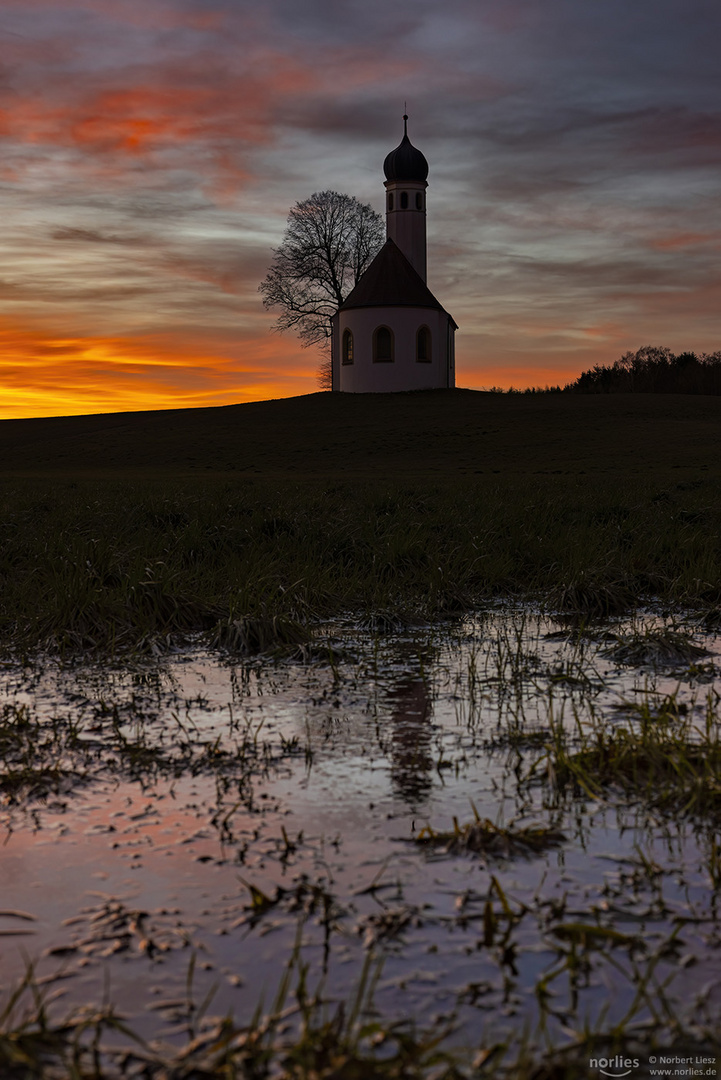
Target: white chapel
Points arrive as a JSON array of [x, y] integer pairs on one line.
[[391, 334]]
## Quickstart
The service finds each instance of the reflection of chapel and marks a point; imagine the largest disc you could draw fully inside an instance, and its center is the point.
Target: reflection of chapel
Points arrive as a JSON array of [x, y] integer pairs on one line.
[[391, 333]]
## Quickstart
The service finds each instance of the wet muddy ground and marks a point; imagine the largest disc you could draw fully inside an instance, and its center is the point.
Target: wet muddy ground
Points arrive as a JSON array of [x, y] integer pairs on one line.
[[412, 803]]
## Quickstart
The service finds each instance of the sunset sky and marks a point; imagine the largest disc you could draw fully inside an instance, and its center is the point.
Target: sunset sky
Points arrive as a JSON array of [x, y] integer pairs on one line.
[[150, 151]]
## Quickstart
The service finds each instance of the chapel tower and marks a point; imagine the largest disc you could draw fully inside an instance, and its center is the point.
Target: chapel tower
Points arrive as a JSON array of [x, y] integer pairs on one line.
[[390, 334], [406, 172]]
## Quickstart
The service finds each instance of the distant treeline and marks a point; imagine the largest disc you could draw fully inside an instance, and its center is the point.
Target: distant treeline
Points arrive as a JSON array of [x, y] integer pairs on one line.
[[653, 370]]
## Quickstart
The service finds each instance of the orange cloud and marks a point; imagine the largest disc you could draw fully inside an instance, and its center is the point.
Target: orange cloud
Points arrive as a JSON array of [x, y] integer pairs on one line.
[[197, 116], [178, 108], [54, 374]]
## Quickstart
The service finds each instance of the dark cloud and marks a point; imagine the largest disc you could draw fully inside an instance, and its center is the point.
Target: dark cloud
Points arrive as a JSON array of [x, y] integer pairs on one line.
[[94, 236]]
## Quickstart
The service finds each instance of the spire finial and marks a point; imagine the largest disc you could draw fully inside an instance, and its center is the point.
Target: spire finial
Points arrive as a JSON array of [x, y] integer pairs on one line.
[[405, 119]]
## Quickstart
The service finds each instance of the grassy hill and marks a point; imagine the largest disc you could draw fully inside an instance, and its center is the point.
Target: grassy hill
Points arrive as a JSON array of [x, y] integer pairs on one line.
[[434, 433], [251, 521]]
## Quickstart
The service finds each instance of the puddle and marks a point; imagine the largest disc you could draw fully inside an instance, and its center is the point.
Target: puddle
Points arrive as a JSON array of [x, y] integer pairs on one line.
[[172, 832]]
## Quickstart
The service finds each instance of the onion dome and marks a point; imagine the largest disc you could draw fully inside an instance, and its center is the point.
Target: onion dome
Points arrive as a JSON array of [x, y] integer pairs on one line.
[[405, 162]]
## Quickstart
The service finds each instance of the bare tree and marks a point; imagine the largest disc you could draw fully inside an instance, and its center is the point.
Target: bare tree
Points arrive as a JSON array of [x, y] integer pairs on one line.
[[329, 242]]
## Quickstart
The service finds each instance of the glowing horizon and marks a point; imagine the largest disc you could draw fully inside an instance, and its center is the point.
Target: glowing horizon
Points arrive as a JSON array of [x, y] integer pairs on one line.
[[151, 152]]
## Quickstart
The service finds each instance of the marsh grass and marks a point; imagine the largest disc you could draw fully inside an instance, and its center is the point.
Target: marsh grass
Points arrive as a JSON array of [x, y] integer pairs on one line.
[[123, 566], [308, 1038], [661, 755], [42, 756], [37, 758]]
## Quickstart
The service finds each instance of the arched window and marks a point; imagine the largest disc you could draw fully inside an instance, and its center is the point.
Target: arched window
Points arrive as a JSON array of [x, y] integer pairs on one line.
[[383, 345], [347, 347], [419, 201], [390, 200], [404, 200], [423, 345]]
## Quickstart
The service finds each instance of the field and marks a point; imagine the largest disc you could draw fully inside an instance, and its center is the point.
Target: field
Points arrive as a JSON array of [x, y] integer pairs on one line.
[[361, 737], [120, 529]]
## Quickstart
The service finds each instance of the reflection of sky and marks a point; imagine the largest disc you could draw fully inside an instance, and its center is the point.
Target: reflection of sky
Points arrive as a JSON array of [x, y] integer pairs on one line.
[[180, 847], [151, 151]]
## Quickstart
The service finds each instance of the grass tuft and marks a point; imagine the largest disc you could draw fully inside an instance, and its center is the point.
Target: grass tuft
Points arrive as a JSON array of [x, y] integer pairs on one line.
[[655, 648], [482, 837], [590, 594], [247, 635]]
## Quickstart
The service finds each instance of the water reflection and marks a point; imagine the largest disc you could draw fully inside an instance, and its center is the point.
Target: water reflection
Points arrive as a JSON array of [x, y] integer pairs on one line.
[[224, 802], [410, 749]]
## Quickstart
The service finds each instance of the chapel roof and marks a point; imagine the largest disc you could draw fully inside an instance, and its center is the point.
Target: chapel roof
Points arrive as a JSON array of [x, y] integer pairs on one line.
[[391, 281]]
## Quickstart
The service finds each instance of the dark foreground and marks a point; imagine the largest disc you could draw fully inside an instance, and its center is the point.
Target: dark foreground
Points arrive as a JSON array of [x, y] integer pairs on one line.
[[536, 796], [428, 435], [249, 523]]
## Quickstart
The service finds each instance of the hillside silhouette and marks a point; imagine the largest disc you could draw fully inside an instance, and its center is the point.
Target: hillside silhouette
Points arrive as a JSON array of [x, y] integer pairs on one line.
[[430, 434]]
